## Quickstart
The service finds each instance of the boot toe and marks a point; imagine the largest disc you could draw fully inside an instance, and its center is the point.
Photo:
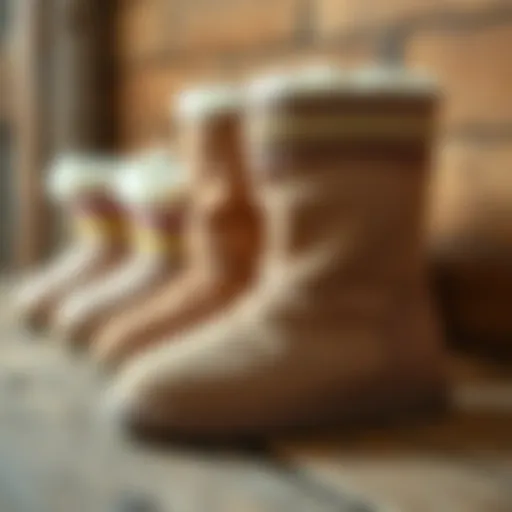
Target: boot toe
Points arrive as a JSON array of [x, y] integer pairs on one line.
[[179, 388], [134, 404]]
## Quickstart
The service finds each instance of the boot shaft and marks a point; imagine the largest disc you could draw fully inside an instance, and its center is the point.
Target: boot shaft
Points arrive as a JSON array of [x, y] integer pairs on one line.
[[341, 166], [154, 193], [222, 225]]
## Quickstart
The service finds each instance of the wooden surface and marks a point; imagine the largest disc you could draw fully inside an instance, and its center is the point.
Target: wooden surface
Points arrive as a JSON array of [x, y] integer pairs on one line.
[[461, 462], [61, 454]]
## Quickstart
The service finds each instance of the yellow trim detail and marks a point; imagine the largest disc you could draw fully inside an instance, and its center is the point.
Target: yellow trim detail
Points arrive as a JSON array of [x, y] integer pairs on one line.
[[349, 127], [88, 226], [151, 240]]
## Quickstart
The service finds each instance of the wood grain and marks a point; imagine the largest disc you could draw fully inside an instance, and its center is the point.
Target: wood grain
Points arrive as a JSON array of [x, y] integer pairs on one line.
[[49, 405]]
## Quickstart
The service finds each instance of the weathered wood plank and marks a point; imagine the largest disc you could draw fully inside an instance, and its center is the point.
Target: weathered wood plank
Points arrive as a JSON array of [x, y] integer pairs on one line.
[[56, 445], [460, 462]]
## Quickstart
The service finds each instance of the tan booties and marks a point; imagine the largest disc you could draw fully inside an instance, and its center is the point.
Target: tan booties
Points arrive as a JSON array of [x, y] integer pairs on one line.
[[80, 185], [339, 326], [151, 191], [471, 244], [221, 232]]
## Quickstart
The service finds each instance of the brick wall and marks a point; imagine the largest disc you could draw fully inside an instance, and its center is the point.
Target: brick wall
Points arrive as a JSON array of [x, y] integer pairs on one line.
[[163, 45]]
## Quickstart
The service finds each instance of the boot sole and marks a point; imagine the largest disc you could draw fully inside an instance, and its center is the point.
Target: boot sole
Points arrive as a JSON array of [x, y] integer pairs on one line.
[[421, 409]]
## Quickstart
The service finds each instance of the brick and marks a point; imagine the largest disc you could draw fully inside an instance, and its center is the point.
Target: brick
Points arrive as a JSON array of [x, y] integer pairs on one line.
[[145, 92], [145, 102], [231, 25], [142, 27], [144, 106], [336, 16], [474, 69], [306, 57]]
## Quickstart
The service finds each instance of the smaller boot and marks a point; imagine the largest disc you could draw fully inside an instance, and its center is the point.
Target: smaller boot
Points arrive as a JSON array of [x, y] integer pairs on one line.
[[339, 328], [471, 244], [221, 239], [80, 185], [151, 192]]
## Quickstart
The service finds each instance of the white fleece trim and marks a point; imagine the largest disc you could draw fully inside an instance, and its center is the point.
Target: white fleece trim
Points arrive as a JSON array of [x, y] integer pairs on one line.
[[322, 79], [73, 174], [152, 177], [208, 100]]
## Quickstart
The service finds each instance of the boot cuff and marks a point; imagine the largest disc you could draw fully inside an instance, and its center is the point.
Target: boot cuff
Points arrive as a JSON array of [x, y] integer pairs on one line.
[[209, 100], [74, 174], [328, 79]]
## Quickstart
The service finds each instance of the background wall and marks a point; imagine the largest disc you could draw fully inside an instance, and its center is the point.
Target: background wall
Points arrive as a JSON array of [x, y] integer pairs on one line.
[[6, 178], [164, 44], [56, 87]]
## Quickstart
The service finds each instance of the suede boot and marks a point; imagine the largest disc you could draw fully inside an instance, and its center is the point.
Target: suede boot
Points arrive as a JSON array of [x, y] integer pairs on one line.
[[80, 185], [471, 244], [221, 231], [339, 327], [152, 194]]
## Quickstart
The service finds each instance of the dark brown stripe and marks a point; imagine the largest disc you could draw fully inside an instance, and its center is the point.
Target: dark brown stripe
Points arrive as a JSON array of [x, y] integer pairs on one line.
[[308, 157], [334, 103]]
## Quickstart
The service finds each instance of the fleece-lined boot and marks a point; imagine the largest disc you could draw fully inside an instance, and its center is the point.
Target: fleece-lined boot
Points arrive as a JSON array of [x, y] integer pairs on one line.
[[151, 190], [339, 327], [81, 186]]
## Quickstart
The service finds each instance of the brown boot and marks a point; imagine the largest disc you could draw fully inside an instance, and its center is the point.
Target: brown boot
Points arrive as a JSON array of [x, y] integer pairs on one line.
[[222, 239], [340, 325], [471, 244], [81, 186], [151, 191]]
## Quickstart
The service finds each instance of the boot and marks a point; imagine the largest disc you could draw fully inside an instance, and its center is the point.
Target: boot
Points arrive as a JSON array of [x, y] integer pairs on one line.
[[339, 326], [151, 192], [471, 244], [80, 186], [221, 233]]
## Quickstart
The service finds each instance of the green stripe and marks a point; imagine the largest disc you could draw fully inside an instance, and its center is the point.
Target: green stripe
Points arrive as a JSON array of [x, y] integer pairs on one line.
[[356, 127]]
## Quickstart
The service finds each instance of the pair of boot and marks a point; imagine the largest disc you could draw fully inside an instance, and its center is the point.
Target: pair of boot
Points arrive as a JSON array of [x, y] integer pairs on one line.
[[153, 196], [81, 186], [126, 220], [337, 323], [327, 317], [222, 229]]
